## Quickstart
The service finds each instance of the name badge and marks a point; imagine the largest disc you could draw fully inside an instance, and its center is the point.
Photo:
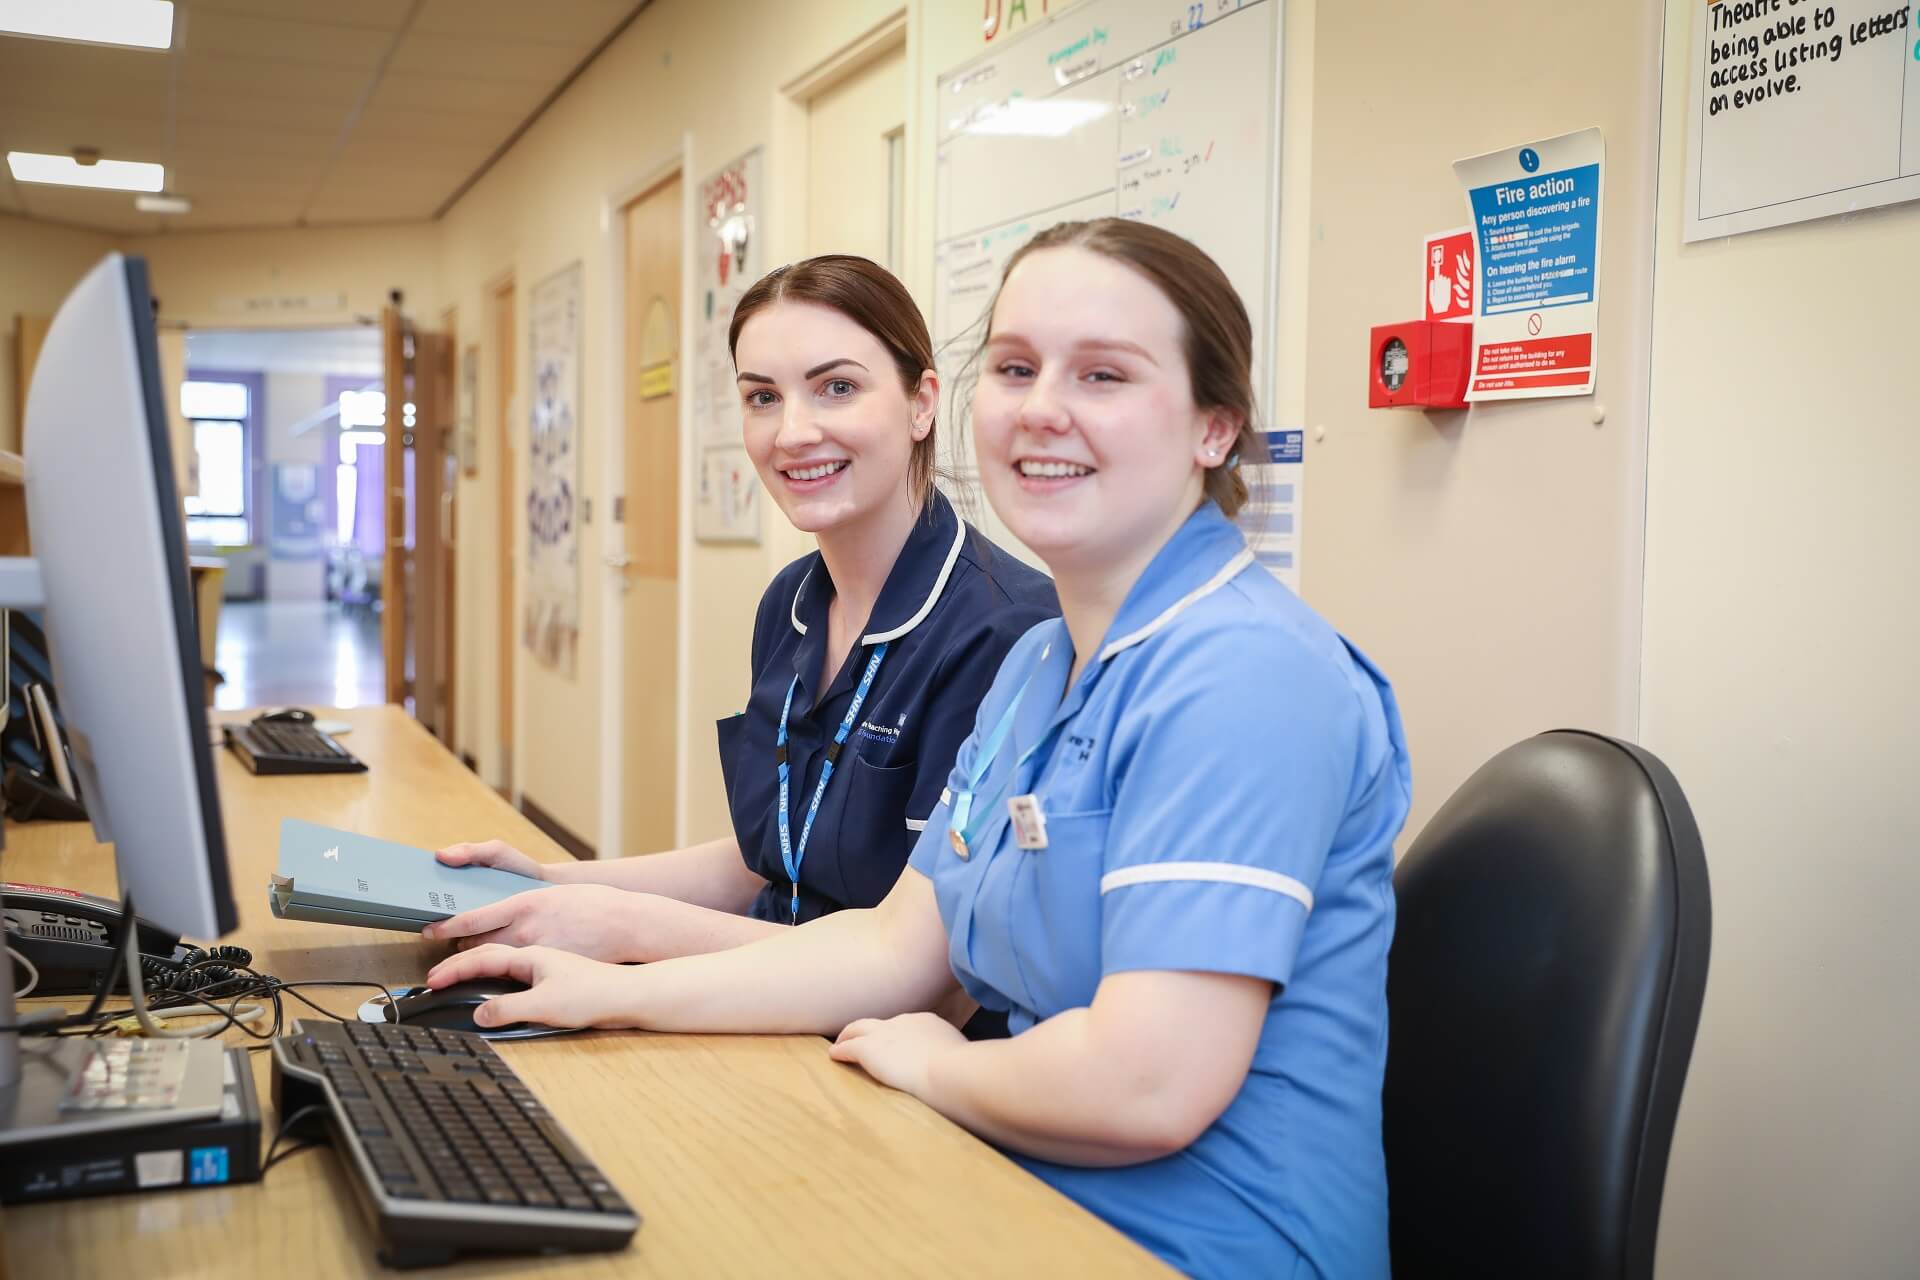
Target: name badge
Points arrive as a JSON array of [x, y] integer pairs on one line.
[[1029, 821]]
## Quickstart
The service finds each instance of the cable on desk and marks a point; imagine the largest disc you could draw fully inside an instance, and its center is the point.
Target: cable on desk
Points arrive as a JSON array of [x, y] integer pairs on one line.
[[286, 1126], [33, 974]]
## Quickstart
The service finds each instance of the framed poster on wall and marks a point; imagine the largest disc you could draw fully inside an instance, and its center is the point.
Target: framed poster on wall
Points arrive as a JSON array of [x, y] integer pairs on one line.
[[550, 624], [726, 490]]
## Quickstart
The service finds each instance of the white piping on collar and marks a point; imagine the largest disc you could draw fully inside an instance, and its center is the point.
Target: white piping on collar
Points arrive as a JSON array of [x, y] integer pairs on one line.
[[1227, 573], [933, 596], [798, 591]]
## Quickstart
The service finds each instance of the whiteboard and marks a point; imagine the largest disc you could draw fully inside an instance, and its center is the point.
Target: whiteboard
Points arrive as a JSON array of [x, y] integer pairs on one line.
[[1165, 112], [1800, 111]]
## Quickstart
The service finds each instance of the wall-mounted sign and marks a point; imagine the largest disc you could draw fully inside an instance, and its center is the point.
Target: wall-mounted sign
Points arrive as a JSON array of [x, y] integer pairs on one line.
[[1536, 218], [1800, 110]]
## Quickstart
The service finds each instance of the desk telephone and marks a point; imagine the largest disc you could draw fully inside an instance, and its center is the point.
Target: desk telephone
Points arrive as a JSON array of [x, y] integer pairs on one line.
[[63, 934]]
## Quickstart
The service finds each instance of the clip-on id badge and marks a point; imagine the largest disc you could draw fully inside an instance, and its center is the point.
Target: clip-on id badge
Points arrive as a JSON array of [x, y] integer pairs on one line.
[[1029, 821]]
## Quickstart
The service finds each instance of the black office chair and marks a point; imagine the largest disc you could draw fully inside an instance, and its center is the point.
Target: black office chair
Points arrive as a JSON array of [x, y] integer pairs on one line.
[[1545, 986]]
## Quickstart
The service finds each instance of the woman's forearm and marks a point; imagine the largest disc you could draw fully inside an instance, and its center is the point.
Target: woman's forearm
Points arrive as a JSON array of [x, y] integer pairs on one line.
[[1138, 1075], [711, 875], [1043, 1094], [812, 979]]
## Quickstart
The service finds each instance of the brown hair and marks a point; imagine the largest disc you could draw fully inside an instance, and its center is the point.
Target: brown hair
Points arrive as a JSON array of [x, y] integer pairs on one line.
[[1219, 336], [869, 295]]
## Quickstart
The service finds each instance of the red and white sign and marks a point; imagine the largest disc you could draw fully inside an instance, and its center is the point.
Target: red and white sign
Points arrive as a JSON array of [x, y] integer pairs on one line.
[[1449, 275], [1534, 363], [1536, 227]]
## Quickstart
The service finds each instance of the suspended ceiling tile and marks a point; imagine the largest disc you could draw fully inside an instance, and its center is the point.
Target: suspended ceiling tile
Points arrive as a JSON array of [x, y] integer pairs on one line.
[[246, 147], [581, 24], [402, 158], [220, 34], [268, 109], [390, 124], [127, 136], [479, 59], [101, 210], [346, 206], [38, 64], [384, 15], [266, 116], [231, 213], [503, 99], [208, 78], [240, 186]]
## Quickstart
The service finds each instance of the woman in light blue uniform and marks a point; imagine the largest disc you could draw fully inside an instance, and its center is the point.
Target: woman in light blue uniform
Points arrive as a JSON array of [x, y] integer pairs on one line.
[[1165, 850]]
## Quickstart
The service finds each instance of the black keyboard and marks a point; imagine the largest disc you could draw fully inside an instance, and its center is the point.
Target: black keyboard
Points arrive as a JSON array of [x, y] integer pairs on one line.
[[289, 748], [447, 1150]]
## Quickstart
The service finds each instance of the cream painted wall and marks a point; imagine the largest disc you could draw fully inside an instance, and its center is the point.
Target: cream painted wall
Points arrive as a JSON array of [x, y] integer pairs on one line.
[[681, 68], [225, 279], [1782, 601], [39, 264], [1488, 559]]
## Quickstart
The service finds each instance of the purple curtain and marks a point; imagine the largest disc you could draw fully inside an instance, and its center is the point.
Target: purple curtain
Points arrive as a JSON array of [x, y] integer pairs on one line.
[[369, 509]]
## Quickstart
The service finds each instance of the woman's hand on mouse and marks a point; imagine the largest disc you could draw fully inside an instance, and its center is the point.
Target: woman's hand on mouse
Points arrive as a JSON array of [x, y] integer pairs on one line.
[[564, 990], [497, 854], [593, 920]]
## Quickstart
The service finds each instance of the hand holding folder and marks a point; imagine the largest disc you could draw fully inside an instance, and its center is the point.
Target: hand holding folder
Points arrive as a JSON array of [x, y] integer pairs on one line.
[[340, 877]]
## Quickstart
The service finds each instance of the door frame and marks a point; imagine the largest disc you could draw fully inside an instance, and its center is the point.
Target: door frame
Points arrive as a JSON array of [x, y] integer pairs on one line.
[[678, 161], [788, 147], [504, 681]]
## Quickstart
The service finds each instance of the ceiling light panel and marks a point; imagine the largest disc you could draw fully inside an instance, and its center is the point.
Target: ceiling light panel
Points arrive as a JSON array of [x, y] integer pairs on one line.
[[142, 24]]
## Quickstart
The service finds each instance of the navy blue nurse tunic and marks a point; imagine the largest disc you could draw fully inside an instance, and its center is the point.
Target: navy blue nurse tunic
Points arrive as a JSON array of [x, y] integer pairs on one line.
[[952, 607]]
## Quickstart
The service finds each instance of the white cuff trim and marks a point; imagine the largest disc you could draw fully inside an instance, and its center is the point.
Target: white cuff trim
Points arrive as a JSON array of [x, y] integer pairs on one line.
[[916, 824], [1214, 872]]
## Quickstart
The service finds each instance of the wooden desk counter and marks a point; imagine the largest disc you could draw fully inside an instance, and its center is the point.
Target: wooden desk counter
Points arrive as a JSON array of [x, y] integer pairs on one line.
[[745, 1155]]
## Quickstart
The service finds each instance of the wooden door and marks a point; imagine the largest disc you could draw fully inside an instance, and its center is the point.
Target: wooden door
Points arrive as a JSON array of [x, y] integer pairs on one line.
[[393, 565], [650, 513], [854, 158], [430, 582], [506, 513]]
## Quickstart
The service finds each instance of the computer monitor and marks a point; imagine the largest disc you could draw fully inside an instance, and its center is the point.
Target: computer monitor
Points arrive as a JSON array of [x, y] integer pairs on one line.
[[110, 568], [103, 512]]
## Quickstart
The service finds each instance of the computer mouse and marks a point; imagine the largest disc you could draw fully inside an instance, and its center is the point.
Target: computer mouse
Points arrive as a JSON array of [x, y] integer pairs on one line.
[[285, 715], [451, 1008]]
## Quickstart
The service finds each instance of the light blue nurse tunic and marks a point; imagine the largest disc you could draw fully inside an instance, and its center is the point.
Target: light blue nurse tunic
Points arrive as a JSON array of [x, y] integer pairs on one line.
[[1221, 789]]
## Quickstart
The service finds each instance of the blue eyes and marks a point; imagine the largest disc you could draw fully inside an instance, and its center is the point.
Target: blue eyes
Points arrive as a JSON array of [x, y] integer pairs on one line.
[[832, 389]]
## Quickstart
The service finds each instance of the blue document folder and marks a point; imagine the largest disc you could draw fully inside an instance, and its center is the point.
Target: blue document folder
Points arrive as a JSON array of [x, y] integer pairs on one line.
[[340, 877]]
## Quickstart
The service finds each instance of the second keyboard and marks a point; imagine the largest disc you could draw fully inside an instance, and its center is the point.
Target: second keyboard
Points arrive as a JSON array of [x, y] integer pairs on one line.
[[448, 1149]]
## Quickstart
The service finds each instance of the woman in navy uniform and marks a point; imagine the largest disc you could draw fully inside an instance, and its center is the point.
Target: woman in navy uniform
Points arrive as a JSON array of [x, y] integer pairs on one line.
[[1166, 850], [870, 656]]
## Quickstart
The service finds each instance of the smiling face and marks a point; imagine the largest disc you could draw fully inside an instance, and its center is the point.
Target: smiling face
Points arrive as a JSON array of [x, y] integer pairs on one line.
[[1091, 447], [828, 425]]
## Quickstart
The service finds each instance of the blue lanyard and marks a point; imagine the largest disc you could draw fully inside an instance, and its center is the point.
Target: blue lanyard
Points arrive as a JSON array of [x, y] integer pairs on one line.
[[958, 832], [790, 857]]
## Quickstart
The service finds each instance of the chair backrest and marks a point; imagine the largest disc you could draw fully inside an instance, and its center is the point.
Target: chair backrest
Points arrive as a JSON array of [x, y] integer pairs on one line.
[[1545, 985]]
